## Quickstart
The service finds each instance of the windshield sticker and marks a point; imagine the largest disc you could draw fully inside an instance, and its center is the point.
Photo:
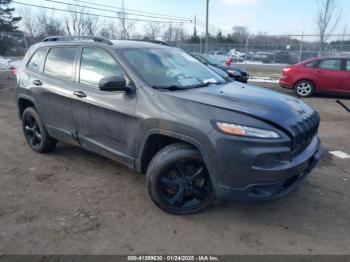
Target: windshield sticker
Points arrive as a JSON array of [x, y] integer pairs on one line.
[[190, 81], [210, 81]]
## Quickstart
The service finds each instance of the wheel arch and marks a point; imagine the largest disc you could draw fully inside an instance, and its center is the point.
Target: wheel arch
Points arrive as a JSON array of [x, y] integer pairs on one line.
[[23, 102], [146, 152]]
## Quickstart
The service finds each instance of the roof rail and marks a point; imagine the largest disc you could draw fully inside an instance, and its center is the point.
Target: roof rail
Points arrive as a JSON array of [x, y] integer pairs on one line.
[[158, 42], [73, 38]]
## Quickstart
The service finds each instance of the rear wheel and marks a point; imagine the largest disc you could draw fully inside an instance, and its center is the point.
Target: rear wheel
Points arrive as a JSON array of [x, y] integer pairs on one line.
[[35, 132], [304, 88], [178, 180]]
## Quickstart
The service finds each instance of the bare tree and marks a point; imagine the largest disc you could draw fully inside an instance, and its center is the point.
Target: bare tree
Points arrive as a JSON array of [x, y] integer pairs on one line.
[[125, 28], [152, 30], [328, 18], [80, 23], [174, 33], [28, 22], [49, 25], [92, 25], [109, 30], [240, 33]]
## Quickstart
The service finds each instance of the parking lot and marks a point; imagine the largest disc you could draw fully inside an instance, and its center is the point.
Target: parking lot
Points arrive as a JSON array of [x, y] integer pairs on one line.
[[75, 202]]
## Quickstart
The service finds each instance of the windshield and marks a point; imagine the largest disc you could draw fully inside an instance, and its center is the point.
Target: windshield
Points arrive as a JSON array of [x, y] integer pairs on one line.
[[212, 59], [170, 68]]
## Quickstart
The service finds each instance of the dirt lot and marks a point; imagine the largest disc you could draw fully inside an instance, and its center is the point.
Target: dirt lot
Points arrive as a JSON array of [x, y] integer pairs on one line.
[[75, 202]]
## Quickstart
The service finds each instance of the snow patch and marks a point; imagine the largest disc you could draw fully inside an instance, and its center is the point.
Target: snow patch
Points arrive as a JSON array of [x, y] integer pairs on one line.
[[7, 64], [262, 79]]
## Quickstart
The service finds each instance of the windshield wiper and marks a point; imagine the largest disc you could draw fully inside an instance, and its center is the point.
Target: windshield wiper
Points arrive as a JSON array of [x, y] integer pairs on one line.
[[171, 88], [175, 87]]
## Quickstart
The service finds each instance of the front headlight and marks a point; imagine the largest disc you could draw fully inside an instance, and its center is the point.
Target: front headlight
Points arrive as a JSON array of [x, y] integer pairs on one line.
[[239, 130], [233, 73]]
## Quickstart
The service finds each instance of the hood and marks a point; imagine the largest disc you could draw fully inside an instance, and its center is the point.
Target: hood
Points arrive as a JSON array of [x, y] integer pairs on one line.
[[267, 105]]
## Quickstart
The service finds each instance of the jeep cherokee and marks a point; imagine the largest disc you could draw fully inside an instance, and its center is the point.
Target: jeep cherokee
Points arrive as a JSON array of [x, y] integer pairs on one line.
[[161, 112]]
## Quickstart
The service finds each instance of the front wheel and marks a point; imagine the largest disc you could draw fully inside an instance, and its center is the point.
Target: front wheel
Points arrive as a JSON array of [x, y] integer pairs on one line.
[[304, 88], [178, 180]]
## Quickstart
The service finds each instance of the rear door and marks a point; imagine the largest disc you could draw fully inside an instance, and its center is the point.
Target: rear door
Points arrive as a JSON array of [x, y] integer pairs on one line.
[[329, 76], [104, 120], [54, 85], [346, 80]]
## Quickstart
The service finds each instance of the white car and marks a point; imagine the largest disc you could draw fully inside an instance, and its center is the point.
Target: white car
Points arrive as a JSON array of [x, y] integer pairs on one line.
[[221, 55], [5, 63]]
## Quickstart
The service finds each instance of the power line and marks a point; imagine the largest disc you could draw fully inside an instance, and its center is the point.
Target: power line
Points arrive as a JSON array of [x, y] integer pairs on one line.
[[98, 15], [110, 11], [131, 10]]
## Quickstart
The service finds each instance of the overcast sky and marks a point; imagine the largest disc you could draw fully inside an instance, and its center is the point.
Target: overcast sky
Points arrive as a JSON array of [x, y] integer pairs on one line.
[[272, 16]]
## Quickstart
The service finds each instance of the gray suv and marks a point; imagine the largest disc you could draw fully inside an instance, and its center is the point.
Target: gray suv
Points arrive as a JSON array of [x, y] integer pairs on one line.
[[159, 111]]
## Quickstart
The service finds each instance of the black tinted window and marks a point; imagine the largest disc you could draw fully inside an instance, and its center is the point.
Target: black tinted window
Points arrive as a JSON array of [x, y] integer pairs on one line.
[[36, 63], [60, 62], [330, 64], [348, 65], [97, 64]]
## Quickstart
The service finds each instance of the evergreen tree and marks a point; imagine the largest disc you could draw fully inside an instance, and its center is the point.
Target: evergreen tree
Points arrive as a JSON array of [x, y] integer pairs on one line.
[[8, 24]]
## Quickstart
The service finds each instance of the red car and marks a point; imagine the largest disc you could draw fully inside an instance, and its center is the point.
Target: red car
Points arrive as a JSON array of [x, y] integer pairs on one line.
[[326, 74]]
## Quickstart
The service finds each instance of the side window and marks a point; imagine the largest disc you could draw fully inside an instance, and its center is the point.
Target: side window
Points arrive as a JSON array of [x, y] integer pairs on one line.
[[347, 65], [60, 62], [96, 64], [330, 64], [36, 63], [311, 64]]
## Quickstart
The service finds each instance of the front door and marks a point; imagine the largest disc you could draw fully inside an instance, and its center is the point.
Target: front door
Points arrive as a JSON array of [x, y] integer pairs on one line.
[[346, 78], [329, 75], [105, 121]]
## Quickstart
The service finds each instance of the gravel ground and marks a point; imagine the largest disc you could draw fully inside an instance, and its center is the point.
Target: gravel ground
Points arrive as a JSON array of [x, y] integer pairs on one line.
[[75, 202]]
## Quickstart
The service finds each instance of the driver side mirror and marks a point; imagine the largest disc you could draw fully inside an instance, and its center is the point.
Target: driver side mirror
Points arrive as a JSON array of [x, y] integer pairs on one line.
[[114, 83]]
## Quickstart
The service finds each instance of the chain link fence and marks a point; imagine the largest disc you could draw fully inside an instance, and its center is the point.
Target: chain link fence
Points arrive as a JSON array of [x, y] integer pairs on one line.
[[282, 50], [286, 49]]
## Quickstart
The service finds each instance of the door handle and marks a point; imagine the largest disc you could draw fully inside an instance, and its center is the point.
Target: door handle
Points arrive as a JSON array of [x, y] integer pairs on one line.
[[37, 82], [80, 94]]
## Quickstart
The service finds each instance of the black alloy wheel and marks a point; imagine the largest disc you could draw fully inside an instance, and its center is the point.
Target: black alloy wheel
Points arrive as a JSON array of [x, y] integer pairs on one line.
[[179, 182]]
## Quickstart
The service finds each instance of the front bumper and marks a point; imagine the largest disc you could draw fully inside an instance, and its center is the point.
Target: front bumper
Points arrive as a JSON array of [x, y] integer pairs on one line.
[[263, 192], [241, 177]]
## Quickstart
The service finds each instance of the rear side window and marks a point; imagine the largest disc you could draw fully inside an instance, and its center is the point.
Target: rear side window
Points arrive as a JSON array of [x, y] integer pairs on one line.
[[60, 62], [96, 64], [36, 63], [347, 65], [330, 64], [311, 64]]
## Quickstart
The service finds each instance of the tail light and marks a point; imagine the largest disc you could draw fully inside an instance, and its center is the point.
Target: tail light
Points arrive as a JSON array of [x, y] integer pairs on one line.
[[286, 70], [229, 61], [14, 71]]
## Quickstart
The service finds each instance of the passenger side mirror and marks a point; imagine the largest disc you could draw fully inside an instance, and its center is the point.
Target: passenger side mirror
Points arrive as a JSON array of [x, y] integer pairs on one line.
[[114, 83]]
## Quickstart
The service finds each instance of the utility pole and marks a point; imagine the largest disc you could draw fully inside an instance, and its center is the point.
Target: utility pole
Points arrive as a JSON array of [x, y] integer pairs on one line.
[[195, 26], [301, 46], [123, 21], [207, 29]]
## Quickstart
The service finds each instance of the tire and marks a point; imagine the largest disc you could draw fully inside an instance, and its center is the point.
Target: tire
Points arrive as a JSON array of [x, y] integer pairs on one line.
[[35, 132], [304, 88], [178, 181]]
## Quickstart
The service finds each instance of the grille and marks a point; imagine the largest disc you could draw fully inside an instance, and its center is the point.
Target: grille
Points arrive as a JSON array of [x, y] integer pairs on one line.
[[304, 132]]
